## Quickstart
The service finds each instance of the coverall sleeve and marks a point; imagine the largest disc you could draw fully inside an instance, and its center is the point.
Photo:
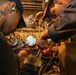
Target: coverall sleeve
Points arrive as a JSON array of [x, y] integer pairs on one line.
[[7, 60], [65, 25]]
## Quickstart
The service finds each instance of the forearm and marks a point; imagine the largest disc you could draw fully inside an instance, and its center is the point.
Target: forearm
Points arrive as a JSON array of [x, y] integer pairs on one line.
[[63, 31], [64, 26]]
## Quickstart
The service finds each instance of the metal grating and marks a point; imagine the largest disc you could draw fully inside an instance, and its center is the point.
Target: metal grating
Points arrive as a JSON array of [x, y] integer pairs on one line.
[[32, 4]]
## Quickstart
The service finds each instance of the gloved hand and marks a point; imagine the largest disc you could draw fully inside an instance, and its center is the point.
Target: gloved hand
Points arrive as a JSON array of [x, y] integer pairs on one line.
[[22, 55], [42, 39], [31, 60]]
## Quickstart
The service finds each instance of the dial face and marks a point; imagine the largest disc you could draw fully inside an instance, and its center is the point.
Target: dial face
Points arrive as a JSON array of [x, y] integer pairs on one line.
[[31, 40]]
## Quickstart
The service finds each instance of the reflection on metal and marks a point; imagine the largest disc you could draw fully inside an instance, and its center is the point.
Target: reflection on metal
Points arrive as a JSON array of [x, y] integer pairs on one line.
[[33, 3], [38, 15], [31, 30], [38, 9]]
